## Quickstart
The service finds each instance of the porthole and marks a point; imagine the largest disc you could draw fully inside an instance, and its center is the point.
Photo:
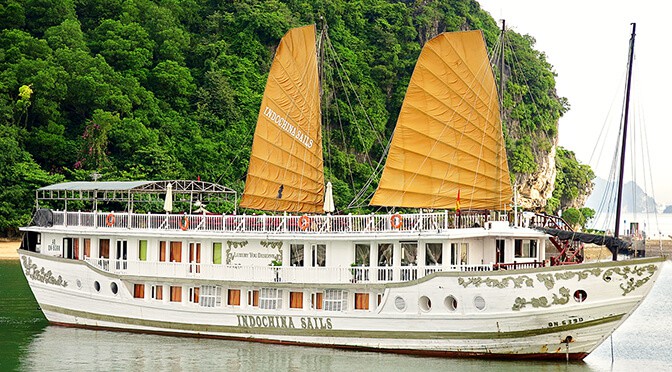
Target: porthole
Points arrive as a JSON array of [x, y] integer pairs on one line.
[[451, 303], [479, 302], [79, 284], [114, 288], [96, 286], [425, 303], [400, 303], [580, 295]]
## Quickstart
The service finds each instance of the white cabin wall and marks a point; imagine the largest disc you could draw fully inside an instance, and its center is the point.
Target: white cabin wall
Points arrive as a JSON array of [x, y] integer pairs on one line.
[[476, 256]]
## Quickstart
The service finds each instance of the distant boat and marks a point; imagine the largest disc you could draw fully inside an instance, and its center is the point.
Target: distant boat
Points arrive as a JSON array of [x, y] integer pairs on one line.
[[457, 278]]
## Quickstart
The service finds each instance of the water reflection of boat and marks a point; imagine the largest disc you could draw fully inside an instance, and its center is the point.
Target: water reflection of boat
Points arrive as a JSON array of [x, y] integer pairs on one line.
[[462, 281]]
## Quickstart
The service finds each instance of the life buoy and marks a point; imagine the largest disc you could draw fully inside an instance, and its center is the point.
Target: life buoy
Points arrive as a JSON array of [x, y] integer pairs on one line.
[[184, 223], [109, 221], [304, 222], [396, 220]]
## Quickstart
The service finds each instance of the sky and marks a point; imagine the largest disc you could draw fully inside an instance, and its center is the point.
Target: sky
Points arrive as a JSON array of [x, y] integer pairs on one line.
[[587, 44]]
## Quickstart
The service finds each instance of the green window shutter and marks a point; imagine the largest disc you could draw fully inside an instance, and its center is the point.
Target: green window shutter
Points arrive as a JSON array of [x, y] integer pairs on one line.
[[142, 254], [216, 253]]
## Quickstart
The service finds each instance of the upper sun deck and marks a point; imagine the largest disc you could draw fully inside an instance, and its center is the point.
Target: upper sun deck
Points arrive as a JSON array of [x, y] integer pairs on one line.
[[269, 224], [150, 206]]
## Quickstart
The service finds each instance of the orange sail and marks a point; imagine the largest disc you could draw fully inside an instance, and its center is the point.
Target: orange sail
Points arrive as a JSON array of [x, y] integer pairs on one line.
[[286, 166], [448, 140]]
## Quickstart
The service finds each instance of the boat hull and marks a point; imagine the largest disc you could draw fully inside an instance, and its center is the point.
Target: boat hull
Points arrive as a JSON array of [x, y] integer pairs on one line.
[[532, 313]]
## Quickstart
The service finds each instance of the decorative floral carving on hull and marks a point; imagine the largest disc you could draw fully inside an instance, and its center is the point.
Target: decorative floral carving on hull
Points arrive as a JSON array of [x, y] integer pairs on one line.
[[517, 282], [542, 301], [550, 279], [41, 275], [643, 274], [233, 245], [273, 245]]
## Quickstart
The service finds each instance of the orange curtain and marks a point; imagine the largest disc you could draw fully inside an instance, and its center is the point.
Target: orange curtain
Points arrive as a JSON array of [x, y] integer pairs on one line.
[[104, 248], [87, 247], [75, 248], [234, 297], [159, 292], [318, 301], [296, 300], [361, 301], [196, 292], [162, 251], [253, 298], [175, 251], [195, 255], [139, 291], [175, 294]]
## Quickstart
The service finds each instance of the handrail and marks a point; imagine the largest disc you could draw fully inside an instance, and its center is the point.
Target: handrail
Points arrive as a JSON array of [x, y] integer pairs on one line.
[[268, 224], [274, 274]]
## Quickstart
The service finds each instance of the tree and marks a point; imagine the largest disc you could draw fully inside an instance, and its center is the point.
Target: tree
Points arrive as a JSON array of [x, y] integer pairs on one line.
[[19, 177]]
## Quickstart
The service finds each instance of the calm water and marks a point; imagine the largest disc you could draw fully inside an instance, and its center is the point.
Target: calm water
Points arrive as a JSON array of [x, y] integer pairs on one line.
[[28, 343]]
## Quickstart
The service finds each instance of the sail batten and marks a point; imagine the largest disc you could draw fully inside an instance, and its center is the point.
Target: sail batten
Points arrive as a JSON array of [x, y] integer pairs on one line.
[[286, 166], [448, 140]]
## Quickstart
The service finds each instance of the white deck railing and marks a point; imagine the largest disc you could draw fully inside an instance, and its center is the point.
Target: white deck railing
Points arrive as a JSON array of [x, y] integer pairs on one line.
[[268, 224], [273, 274]]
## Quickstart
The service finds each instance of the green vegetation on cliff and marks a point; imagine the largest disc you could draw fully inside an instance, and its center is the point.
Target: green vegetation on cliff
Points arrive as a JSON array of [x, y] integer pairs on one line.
[[163, 89]]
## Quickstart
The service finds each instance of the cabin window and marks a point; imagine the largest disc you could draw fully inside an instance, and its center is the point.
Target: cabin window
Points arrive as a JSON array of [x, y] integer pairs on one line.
[[316, 300], [433, 254], [270, 298], [525, 248], [459, 253], [296, 254], [157, 292], [175, 294], [361, 301], [319, 255], [296, 300], [253, 298], [385, 254], [104, 245], [217, 253], [138, 290], [175, 251], [409, 253], [163, 246], [379, 299], [142, 250], [210, 296], [194, 294], [233, 298], [68, 248], [335, 300], [362, 254], [499, 247], [194, 257], [122, 255], [87, 247]]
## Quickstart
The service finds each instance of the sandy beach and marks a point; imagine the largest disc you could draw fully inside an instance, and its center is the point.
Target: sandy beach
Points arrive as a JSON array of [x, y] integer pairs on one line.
[[8, 249]]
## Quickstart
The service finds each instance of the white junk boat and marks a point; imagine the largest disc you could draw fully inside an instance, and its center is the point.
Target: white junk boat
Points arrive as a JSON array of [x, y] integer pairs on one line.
[[441, 283]]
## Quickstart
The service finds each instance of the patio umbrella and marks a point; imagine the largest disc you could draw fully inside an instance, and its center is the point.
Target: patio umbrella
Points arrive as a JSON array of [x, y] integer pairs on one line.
[[329, 199], [168, 203]]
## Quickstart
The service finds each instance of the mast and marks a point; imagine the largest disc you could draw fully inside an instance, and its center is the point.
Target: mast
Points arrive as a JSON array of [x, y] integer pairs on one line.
[[501, 72], [625, 132]]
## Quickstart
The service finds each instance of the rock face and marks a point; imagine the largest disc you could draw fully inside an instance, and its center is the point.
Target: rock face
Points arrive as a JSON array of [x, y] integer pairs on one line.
[[535, 189]]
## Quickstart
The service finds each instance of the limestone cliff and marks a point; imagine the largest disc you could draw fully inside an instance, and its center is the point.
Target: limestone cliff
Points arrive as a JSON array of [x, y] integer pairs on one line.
[[534, 189]]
